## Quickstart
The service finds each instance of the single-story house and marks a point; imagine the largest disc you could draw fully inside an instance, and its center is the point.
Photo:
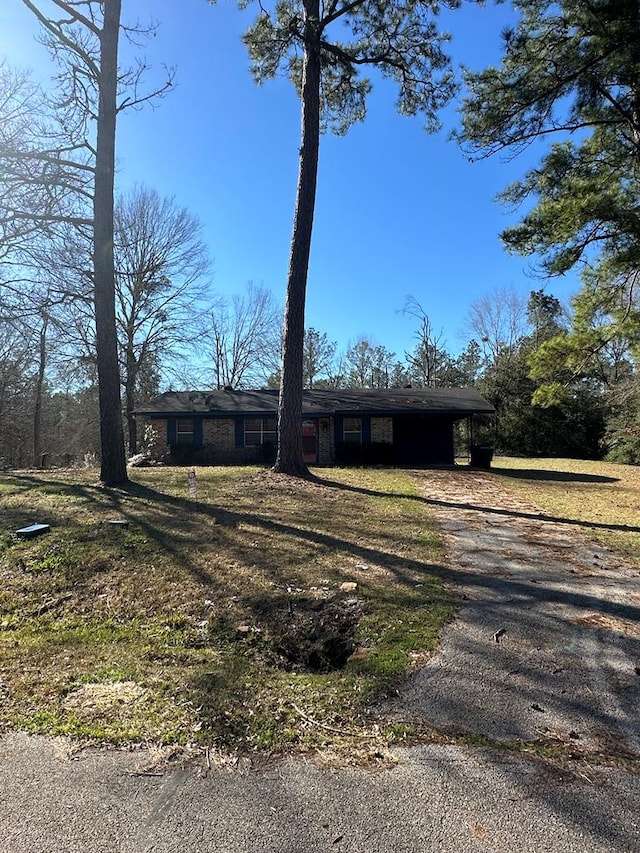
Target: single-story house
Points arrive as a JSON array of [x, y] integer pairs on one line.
[[402, 426]]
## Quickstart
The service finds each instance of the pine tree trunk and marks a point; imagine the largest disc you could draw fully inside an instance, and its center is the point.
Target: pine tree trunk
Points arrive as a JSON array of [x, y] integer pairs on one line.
[[113, 467], [290, 459]]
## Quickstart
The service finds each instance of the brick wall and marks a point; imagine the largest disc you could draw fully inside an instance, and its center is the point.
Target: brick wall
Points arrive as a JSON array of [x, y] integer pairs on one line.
[[382, 430], [220, 435], [326, 450], [157, 431]]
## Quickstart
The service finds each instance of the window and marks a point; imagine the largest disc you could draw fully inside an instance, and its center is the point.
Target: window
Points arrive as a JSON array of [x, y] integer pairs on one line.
[[184, 432], [258, 431], [352, 430]]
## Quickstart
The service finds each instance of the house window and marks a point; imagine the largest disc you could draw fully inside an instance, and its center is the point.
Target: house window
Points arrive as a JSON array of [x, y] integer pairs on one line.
[[259, 431], [184, 431], [352, 430]]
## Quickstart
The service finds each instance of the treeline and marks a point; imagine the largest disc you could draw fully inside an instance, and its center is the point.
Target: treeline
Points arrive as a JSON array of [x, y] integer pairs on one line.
[[49, 399]]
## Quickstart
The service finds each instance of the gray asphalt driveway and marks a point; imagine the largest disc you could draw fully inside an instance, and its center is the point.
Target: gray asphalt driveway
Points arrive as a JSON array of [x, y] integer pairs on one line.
[[546, 644], [544, 649]]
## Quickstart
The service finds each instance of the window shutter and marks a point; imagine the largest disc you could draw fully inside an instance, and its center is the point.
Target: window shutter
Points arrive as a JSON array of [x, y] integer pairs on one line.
[[239, 432], [366, 429], [337, 429]]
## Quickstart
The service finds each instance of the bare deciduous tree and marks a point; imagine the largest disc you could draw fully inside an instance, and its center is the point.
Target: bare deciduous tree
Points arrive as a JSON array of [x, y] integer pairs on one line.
[[319, 354], [162, 266], [45, 180], [243, 338], [369, 365], [429, 355], [161, 275], [498, 322], [16, 385], [82, 37]]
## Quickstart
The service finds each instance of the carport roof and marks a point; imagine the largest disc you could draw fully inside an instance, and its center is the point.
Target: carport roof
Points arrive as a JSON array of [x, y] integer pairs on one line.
[[379, 401]]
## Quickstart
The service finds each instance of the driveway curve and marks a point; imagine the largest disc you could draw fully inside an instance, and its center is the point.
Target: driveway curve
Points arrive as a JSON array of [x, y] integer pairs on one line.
[[546, 644]]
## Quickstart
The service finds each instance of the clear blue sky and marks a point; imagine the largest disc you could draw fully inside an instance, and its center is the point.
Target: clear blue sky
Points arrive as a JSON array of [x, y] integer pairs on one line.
[[398, 211]]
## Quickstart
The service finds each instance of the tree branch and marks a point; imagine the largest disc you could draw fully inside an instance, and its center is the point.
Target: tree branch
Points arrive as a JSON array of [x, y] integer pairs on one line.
[[77, 16], [57, 33]]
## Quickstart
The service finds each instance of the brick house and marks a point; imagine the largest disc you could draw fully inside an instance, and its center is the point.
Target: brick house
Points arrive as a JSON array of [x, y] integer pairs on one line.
[[404, 426]]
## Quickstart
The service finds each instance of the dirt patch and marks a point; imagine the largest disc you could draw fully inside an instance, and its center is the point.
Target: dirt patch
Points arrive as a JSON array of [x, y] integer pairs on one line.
[[99, 697], [610, 623], [318, 635]]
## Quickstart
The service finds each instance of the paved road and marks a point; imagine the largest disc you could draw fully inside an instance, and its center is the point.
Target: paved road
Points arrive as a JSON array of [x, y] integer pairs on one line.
[[436, 799], [563, 670]]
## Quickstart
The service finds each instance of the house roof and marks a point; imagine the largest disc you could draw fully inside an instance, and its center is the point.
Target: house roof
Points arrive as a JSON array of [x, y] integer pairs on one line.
[[379, 401]]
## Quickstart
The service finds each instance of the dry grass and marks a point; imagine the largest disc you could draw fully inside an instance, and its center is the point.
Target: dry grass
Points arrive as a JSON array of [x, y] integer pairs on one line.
[[603, 497], [129, 634]]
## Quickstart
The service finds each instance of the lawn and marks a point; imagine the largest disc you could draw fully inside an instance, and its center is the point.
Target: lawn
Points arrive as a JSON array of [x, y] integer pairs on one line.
[[603, 498], [220, 621]]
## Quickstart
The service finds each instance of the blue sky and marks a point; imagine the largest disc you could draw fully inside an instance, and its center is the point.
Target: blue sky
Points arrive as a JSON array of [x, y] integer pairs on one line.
[[398, 212]]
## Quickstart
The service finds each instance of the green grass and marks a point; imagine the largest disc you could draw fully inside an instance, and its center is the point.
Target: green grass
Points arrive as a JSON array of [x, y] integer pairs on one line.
[[601, 498], [124, 635]]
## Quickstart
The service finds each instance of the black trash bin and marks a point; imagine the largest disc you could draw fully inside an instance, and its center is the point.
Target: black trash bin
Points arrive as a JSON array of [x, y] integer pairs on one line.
[[480, 456]]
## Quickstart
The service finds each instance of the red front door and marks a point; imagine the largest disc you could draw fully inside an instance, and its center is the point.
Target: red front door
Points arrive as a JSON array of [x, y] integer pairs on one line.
[[309, 442]]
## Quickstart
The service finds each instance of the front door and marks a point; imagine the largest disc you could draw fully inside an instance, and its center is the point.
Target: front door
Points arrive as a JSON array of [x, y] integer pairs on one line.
[[309, 442]]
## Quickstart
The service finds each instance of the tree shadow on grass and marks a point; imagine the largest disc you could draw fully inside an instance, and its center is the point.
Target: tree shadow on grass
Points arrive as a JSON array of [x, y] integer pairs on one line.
[[403, 568], [553, 476], [152, 512], [174, 524], [468, 505]]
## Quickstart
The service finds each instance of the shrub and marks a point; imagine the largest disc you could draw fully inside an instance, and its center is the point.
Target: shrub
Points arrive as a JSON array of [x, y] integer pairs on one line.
[[191, 454], [376, 453]]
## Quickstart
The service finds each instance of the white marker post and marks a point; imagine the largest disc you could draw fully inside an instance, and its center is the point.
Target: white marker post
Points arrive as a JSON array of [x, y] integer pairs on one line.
[[193, 485]]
